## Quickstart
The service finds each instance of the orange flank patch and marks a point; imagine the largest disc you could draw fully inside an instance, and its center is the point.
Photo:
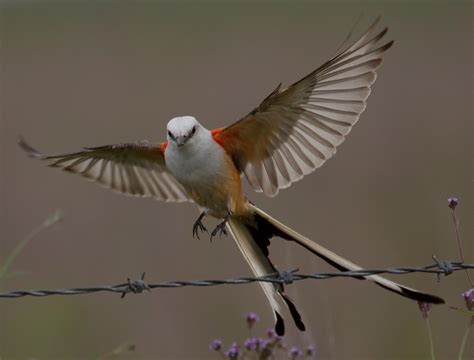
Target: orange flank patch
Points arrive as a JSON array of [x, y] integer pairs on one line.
[[164, 145], [230, 139], [218, 139], [216, 131]]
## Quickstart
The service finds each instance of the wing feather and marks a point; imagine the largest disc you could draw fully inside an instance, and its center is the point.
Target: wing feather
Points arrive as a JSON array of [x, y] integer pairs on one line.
[[295, 130], [136, 169]]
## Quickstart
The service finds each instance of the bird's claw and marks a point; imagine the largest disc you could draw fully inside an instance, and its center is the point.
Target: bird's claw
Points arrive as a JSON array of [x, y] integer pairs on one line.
[[198, 226], [220, 229]]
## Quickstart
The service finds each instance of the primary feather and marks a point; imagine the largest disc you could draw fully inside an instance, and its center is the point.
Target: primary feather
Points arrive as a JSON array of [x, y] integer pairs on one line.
[[136, 169], [295, 130]]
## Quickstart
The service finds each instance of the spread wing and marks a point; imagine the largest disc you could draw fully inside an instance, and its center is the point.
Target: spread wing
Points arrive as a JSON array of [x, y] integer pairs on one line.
[[295, 130], [137, 169]]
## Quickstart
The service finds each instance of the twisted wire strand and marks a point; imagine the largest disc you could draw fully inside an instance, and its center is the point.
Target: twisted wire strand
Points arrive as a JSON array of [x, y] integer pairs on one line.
[[284, 277]]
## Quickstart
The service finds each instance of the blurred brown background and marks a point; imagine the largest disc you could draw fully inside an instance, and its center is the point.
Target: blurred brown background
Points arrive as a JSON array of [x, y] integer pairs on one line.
[[92, 73]]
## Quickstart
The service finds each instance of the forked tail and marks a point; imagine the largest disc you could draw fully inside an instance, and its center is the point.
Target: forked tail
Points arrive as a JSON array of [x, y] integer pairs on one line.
[[253, 242], [253, 239]]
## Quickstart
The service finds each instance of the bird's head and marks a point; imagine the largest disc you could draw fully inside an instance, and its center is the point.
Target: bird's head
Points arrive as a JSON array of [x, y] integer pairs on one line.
[[182, 129]]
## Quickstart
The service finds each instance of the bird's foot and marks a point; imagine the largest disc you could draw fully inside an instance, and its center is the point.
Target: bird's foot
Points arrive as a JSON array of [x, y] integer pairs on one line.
[[199, 226], [220, 228]]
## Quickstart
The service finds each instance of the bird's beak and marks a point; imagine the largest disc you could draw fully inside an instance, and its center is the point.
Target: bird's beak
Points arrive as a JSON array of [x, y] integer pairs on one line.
[[181, 140]]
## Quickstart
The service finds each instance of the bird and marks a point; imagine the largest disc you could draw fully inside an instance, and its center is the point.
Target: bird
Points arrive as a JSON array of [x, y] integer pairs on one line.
[[291, 133]]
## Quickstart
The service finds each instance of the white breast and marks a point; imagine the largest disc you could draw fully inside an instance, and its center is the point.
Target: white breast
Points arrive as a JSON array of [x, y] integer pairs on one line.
[[199, 160], [200, 165]]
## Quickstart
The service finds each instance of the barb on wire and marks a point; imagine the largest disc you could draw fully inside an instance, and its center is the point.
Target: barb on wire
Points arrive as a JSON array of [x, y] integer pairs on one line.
[[284, 277]]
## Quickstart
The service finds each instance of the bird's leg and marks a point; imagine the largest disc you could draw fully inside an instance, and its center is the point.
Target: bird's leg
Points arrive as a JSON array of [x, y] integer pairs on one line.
[[220, 228], [199, 226]]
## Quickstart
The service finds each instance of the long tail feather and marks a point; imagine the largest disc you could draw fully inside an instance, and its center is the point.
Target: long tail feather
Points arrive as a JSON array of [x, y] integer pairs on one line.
[[249, 242], [283, 231], [253, 238]]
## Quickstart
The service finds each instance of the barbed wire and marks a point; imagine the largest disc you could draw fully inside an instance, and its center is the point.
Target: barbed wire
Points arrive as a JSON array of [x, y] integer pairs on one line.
[[283, 277]]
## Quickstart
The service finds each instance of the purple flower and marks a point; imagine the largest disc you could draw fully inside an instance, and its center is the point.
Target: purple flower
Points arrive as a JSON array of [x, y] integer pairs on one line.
[[263, 344], [215, 345], [453, 202], [469, 298], [233, 351], [295, 353], [252, 318], [273, 335], [424, 308], [310, 350], [251, 344]]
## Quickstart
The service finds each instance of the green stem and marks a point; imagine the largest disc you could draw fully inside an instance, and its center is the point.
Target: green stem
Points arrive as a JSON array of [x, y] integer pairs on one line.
[[430, 337], [464, 339], [458, 240]]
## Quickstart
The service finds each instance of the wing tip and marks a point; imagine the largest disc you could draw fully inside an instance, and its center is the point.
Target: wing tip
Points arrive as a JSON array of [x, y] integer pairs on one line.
[[388, 45], [28, 149], [377, 20]]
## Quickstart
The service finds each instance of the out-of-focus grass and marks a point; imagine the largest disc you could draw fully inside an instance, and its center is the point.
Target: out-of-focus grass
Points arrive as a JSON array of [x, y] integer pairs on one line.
[[51, 220], [123, 349], [5, 272]]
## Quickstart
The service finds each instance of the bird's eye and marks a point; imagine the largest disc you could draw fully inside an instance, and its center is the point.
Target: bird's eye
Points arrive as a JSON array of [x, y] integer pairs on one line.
[[194, 130], [170, 134]]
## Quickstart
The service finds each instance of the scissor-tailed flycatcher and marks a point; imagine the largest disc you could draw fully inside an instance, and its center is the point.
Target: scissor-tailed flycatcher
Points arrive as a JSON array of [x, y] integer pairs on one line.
[[290, 134]]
